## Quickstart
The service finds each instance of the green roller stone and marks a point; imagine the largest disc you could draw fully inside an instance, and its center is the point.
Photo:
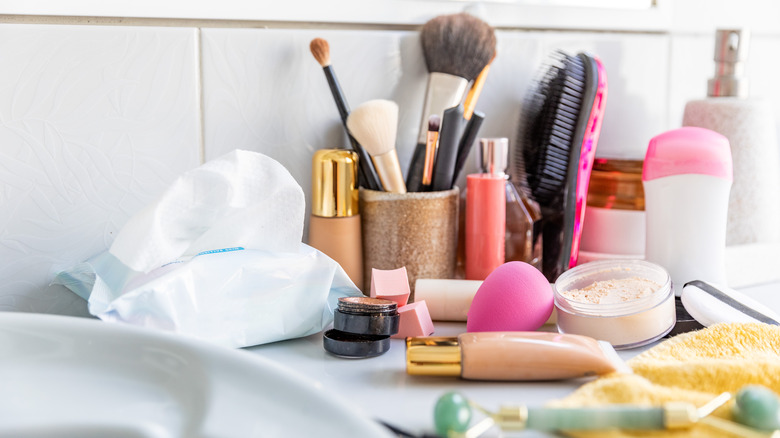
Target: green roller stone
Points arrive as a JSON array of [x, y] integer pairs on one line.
[[617, 416], [757, 407], [451, 413]]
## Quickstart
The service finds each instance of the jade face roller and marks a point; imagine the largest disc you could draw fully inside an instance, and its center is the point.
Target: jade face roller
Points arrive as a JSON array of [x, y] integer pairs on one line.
[[755, 406]]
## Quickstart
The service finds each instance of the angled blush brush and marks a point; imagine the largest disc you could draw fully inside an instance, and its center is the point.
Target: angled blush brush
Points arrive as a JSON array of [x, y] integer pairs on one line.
[[456, 48], [320, 49]]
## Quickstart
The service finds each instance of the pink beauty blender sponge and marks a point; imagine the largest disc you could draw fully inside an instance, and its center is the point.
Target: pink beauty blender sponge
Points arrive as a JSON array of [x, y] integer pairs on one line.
[[514, 297]]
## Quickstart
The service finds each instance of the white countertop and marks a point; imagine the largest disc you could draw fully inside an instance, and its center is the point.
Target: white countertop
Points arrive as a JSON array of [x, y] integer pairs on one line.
[[380, 388]]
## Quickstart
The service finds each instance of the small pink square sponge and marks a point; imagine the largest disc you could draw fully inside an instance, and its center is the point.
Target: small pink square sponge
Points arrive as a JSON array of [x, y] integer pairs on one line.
[[415, 321], [514, 297], [392, 284]]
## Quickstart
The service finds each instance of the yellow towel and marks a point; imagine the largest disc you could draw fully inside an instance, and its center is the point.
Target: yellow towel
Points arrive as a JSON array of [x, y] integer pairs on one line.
[[693, 367]]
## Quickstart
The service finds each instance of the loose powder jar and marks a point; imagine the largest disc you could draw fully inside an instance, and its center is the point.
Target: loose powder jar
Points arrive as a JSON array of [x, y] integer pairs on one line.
[[628, 303]]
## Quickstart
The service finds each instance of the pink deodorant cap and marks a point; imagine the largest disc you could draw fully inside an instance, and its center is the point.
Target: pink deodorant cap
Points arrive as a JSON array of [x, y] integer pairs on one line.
[[688, 150], [415, 321], [515, 297], [390, 285]]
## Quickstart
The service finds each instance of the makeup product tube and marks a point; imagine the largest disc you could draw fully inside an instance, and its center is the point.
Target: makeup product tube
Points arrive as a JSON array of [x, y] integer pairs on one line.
[[486, 212], [334, 226], [511, 356]]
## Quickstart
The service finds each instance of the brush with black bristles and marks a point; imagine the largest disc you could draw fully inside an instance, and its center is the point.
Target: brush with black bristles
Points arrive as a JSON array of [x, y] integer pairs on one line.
[[457, 48], [367, 174], [559, 131]]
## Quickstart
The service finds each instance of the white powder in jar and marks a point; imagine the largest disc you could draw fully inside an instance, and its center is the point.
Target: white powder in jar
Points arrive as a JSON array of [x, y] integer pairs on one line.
[[613, 291]]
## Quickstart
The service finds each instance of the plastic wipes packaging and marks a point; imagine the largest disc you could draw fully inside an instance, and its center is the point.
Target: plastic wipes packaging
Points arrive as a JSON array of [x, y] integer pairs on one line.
[[218, 257]]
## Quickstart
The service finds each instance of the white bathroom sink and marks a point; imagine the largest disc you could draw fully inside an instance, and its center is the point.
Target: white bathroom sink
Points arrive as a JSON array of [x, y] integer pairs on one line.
[[74, 377]]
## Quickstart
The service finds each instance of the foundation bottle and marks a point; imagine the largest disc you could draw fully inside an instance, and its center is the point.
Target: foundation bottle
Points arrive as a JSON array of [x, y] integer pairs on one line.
[[334, 226], [511, 356]]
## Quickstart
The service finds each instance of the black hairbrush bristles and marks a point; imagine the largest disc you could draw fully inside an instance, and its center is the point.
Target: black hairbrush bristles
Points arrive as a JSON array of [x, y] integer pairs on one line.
[[459, 44], [548, 129], [551, 164]]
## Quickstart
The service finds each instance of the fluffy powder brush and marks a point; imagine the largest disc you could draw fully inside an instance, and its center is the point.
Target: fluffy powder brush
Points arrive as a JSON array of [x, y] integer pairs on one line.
[[456, 47], [374, 124]]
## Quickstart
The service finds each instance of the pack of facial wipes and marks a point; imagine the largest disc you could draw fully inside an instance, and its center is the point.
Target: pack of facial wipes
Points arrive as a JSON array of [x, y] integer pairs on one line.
[[219, 257]]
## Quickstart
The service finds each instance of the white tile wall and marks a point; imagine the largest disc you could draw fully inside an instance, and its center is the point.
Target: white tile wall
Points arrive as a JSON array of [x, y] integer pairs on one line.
[[94, 123]]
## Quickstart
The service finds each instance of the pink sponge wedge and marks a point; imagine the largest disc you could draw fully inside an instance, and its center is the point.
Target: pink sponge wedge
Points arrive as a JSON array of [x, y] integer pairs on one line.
[[390, 285], [415, 321], [514, 297]]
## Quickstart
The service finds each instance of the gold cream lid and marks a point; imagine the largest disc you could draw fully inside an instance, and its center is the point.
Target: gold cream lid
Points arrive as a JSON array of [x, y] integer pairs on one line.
[[334, 190], [433, 356]]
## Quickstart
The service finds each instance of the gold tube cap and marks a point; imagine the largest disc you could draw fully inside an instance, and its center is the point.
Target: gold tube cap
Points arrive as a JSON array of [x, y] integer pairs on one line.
[[334, 190], [433, 356]]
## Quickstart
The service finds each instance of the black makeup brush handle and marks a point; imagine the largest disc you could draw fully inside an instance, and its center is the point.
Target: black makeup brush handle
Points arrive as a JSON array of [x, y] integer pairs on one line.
[[366, 172], [449, 137], [415, 174], [467, 142], [338, 96], [367, 176]]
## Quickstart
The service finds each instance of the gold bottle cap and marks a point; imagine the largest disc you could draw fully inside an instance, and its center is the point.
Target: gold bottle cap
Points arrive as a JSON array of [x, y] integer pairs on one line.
[[334, 190], [433, 356]]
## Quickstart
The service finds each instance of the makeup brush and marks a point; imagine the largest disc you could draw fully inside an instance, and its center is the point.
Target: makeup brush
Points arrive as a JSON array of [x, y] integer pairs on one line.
[[476, 89], [457, 48], [374, 124], [430, 150], [470, 133], [320, 49], [451, 132]]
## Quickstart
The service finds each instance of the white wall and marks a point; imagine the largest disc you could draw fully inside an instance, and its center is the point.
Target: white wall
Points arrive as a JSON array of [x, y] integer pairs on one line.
[[95, 121]]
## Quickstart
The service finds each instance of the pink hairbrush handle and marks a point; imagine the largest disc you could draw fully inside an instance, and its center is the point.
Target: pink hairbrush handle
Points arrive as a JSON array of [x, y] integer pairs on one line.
[[587, 156]]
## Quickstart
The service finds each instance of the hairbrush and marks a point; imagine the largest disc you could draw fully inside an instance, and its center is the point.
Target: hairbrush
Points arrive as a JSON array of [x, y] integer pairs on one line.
[[560, 128]]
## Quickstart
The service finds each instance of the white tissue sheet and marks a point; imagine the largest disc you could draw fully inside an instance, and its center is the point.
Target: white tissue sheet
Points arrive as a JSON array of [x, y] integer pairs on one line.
[[217, 257], [240, 199]]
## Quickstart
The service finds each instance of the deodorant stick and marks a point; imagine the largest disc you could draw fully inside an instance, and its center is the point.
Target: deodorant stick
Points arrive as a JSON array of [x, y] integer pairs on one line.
[[687, 177]]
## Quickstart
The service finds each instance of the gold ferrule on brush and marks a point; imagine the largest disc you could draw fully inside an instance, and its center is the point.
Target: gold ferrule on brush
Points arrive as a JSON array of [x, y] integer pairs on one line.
[[334, 190], [389, 171], [431, 144], [443, 91]]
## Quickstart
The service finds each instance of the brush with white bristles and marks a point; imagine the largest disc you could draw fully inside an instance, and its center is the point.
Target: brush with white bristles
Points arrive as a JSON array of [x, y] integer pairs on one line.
[[457, 48], [375, 124]]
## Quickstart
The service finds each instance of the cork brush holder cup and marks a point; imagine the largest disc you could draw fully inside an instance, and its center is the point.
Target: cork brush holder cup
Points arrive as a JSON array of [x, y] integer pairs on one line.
[[417, 230]]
